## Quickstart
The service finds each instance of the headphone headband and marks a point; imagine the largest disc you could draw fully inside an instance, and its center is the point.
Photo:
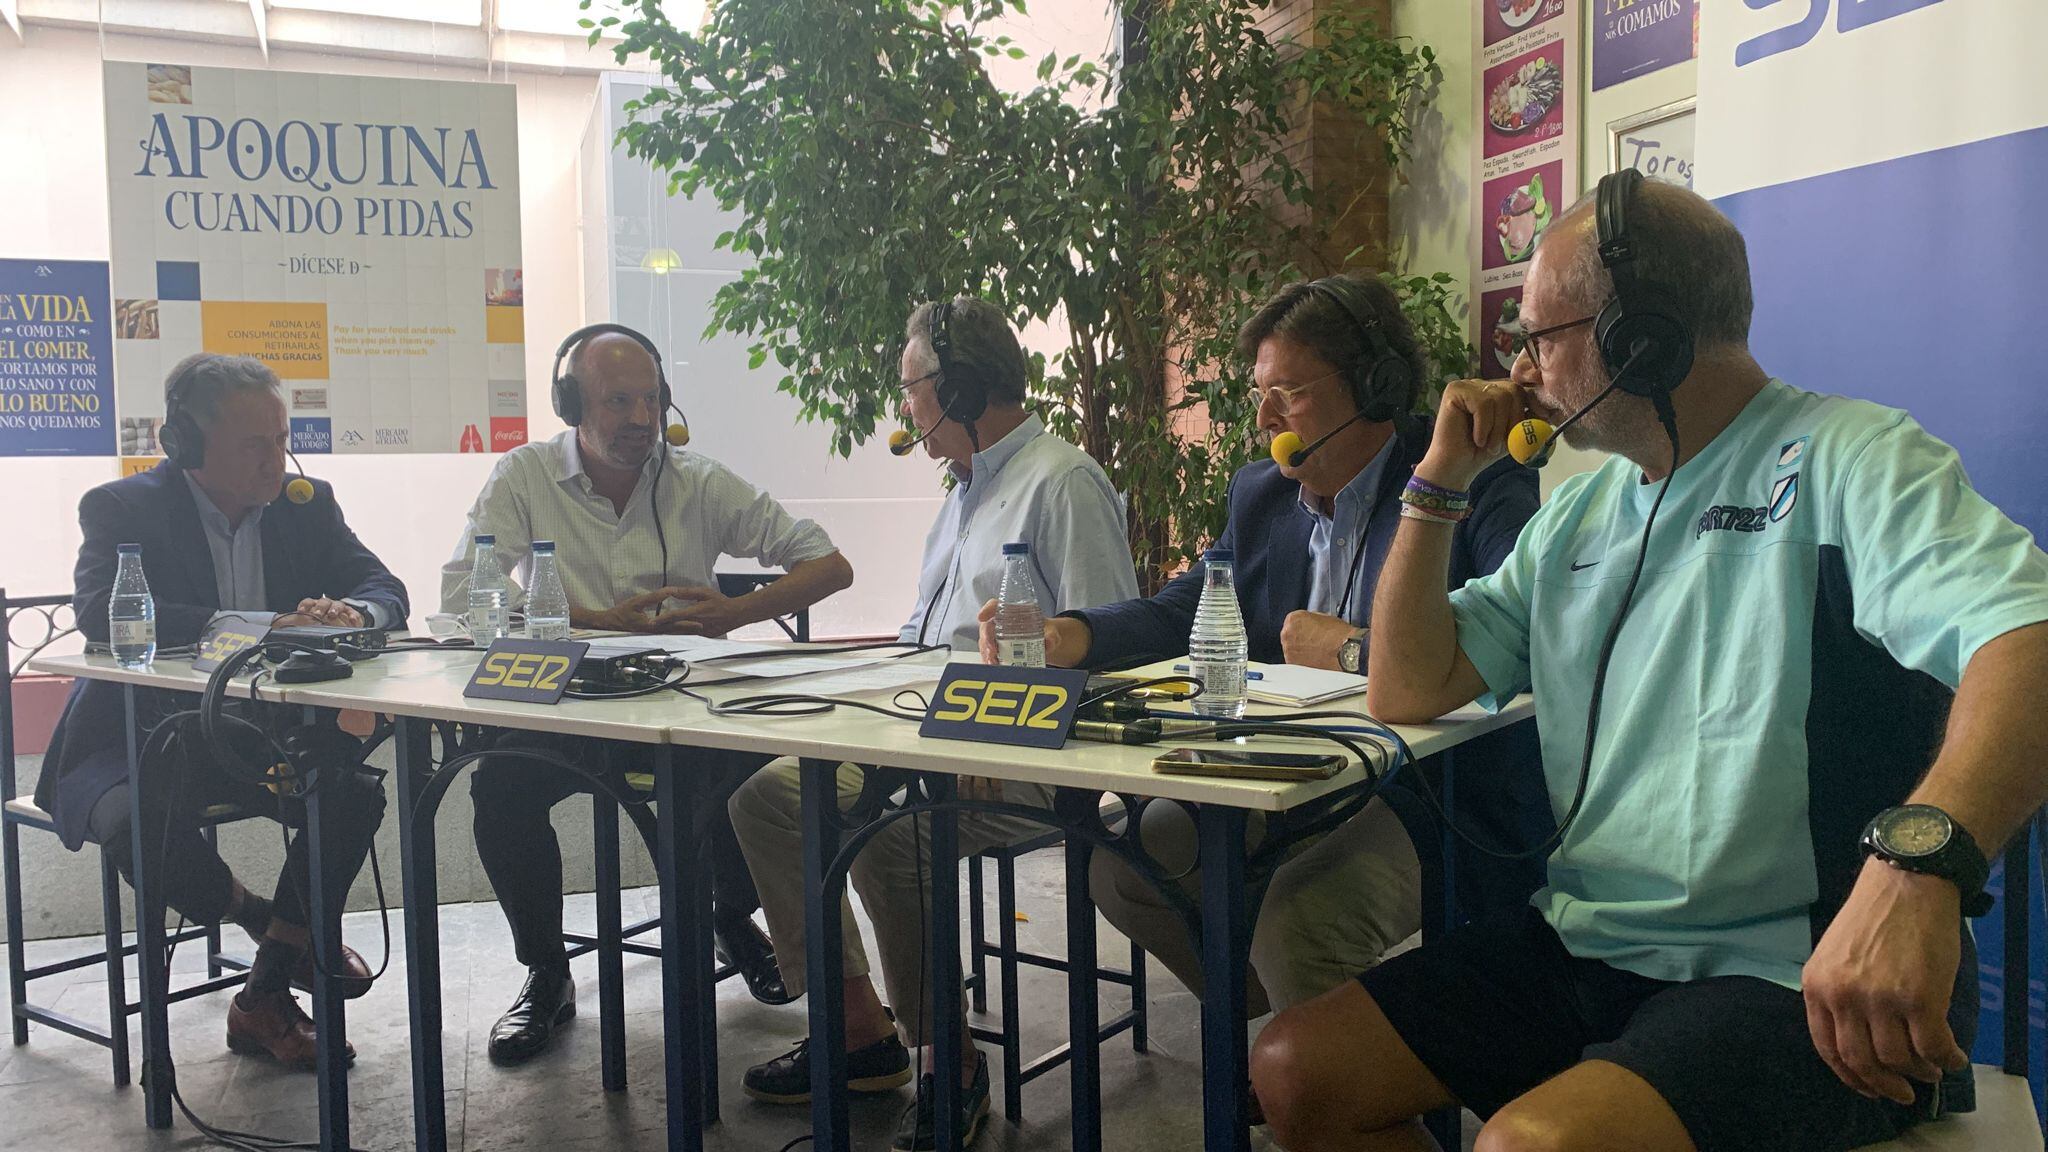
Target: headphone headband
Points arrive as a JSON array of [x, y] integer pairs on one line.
[[962, 396], [1384, 386], [566, 392]]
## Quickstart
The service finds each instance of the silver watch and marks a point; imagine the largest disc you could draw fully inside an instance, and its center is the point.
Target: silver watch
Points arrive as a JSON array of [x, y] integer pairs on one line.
[[1351, 654]]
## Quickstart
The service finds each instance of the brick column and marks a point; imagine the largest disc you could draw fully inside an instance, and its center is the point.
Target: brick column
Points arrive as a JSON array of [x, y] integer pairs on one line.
[[1342, 158]]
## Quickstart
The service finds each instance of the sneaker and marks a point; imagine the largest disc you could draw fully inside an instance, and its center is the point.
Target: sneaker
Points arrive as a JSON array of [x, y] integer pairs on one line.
[[879, 1067], [916, 1130]]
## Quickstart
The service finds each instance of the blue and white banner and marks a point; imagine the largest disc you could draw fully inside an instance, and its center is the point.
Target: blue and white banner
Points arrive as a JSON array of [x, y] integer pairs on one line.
[[1887, 161]]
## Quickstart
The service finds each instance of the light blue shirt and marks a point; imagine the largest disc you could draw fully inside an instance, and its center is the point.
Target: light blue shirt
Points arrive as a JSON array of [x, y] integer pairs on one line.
[[1337, 541], [1812, 526], [238, 565], [1037, 488]]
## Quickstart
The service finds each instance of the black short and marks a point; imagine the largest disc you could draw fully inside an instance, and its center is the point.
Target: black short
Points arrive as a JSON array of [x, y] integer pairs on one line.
[[1499, 1006]]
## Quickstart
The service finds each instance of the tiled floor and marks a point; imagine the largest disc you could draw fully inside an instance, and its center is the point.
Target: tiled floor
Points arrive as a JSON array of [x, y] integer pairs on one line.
[[56, 1094]]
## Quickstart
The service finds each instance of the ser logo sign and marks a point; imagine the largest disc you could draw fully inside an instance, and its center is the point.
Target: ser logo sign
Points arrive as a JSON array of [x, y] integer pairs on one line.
[[1031, 707], [533, 671]]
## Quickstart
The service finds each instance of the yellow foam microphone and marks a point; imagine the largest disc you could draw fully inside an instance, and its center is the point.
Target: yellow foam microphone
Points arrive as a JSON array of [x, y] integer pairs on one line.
[[1529, 442], [901, 442], [678, 435], [1286, 446], [298, 489]]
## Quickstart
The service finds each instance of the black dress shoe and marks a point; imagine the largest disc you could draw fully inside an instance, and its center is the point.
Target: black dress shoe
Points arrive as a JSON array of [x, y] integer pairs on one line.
[[546, 1002], [742, 945]]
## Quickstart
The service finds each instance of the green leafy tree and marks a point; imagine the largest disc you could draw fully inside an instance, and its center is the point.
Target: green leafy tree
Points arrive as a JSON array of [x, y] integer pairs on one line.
[[1141, 207]]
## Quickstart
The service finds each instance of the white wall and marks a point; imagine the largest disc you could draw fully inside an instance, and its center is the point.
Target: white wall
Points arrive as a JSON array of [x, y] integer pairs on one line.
[[53, 203]]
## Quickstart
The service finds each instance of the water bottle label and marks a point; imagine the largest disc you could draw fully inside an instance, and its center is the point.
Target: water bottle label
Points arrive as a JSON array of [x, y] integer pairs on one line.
[[547, 629], [129, 632], [1021, 653]]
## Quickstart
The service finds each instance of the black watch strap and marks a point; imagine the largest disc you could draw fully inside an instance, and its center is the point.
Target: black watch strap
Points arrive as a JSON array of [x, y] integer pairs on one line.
[[1960, 861]]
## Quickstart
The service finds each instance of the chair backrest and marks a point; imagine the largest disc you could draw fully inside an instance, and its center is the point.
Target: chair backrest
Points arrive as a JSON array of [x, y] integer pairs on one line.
[[796, 625], [50, 608]]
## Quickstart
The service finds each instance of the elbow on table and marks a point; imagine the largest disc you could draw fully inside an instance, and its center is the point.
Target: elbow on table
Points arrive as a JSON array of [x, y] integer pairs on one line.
[[1394, 703]]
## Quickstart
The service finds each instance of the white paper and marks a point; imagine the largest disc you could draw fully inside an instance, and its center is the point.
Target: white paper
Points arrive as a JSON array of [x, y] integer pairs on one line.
[[695, 649], [873, 678]]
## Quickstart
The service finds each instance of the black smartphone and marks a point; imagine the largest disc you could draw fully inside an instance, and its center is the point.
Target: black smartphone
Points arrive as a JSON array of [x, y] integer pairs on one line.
[[1248, 765]]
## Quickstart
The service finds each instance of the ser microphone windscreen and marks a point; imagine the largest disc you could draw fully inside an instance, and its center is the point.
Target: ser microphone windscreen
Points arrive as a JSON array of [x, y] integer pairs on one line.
[[1284, 448], [678, 435], [1529, 442], [901, 441], [299, 490]]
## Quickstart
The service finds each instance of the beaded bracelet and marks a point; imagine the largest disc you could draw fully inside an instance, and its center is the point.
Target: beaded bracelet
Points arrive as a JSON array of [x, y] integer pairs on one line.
[[1418, 484], [1427, 496]]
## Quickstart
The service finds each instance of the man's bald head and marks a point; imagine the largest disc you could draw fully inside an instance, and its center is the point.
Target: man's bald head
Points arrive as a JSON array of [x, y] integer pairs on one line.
[[609, 352], [1683, 245], [622, 402]]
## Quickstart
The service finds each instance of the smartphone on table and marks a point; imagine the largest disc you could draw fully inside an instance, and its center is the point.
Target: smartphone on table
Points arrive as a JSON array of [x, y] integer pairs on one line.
[[1244, 764]]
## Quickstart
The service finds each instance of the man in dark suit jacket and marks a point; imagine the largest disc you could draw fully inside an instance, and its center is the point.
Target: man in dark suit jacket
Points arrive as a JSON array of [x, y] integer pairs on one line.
[[218, 539], [1336, 364]]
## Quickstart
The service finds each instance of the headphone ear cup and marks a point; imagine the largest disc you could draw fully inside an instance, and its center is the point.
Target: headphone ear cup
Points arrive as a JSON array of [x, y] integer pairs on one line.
[[1649, 334], [567, 395], [1388, 389], [183, 442]]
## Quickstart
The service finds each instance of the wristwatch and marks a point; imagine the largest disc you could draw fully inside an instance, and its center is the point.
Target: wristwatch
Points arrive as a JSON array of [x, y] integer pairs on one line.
[[1922, 838], [1351, 654]]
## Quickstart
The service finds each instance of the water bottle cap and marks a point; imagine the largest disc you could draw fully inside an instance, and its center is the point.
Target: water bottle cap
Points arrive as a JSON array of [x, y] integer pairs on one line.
[[1219, 556], [1020, 548], [131, 549], [543, 545], [486, 538]]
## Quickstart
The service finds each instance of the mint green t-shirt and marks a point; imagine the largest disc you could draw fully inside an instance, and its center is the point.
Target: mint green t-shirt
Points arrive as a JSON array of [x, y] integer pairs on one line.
[[1817, 580]]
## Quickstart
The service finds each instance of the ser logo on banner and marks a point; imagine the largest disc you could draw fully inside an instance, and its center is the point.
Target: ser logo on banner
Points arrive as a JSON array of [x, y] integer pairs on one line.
[[1849, 16], [1029, 707], [533, 671]]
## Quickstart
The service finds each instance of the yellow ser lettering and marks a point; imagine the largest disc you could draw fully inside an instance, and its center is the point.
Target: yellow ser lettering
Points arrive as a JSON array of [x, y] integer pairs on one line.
[[1033, 715], [998, 702], [524, 667], [551, 670], [964, 696], [496, 665]]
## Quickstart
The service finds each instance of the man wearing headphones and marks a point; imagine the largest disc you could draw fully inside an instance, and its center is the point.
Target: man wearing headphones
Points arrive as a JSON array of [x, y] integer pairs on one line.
[[221, 536], [638, 528], [1335, 366], [1752, 934], [964, 378]]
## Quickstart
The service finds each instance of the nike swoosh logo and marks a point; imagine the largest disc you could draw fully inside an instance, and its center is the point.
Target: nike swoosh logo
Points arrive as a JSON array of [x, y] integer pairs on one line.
[[1576, 566]]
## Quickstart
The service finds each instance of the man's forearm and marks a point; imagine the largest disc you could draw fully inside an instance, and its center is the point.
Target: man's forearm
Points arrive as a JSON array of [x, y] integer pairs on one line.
[[1992, 773], [803, 585], [1414, 636]]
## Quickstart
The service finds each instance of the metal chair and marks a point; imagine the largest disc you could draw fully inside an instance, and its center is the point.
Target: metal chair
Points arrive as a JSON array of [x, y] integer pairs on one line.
[[18, 812], [1009, 957], [796, 626]]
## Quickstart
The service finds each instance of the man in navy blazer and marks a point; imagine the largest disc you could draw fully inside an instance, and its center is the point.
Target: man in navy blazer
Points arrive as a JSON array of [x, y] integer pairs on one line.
[[218, 539], [1336, 363]]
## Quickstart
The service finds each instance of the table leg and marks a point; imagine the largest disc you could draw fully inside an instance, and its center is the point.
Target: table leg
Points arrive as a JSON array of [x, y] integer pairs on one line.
[[330, 1019], [943, 1017], [1447, 1124], [703, 958], [421, 917], [823, 959], [611, 993], [149, 943], [1084, 1050], [1225, 941], [677, 864]]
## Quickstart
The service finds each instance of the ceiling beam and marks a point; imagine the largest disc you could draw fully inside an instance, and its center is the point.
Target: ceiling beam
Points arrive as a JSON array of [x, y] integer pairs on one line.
[[10, 10], [258, 11]]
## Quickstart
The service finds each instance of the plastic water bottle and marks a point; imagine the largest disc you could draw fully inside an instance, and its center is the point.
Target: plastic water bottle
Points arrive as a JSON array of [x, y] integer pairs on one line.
[[1020, 623], [1216, 646], [486, 594], [547, 605], [131, 614]]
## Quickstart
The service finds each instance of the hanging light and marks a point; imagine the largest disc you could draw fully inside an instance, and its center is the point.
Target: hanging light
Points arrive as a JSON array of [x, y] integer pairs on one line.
[[661, 261]]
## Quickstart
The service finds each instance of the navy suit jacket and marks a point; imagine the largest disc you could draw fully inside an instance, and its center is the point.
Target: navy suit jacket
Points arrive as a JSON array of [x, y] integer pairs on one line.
[[1501, 794], [308, 552]]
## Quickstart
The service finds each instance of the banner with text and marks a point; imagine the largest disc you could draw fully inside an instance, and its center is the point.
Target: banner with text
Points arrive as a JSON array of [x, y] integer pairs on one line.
[[358, 234], [1884, 159], [1527, 171], [56, 359]]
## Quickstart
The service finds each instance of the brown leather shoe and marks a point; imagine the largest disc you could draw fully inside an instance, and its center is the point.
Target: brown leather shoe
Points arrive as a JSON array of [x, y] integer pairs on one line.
[[277, 1027], [352, 979]]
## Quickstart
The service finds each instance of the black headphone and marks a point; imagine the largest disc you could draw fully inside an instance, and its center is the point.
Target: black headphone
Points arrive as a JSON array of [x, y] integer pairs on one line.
[[183, 440], [1383, 384], [567, 392], [962, 395], [1640, 326]]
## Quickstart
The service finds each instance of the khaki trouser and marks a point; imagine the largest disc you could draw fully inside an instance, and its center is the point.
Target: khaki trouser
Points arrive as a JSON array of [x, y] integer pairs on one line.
[[892, 875], [1335, 906]]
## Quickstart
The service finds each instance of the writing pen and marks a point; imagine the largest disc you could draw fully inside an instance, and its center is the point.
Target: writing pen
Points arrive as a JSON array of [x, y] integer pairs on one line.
[[1249, 673]]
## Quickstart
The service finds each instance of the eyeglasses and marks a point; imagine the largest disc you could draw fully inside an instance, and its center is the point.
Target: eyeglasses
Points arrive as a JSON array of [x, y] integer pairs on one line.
[[909, 384], [1284, 397], [1529, 339]]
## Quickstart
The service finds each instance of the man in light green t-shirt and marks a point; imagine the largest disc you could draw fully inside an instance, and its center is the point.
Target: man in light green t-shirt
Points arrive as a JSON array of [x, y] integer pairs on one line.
[[1818, 607]]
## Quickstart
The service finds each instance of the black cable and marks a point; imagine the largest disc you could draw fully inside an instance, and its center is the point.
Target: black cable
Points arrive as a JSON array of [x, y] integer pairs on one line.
[[1121, 690]]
